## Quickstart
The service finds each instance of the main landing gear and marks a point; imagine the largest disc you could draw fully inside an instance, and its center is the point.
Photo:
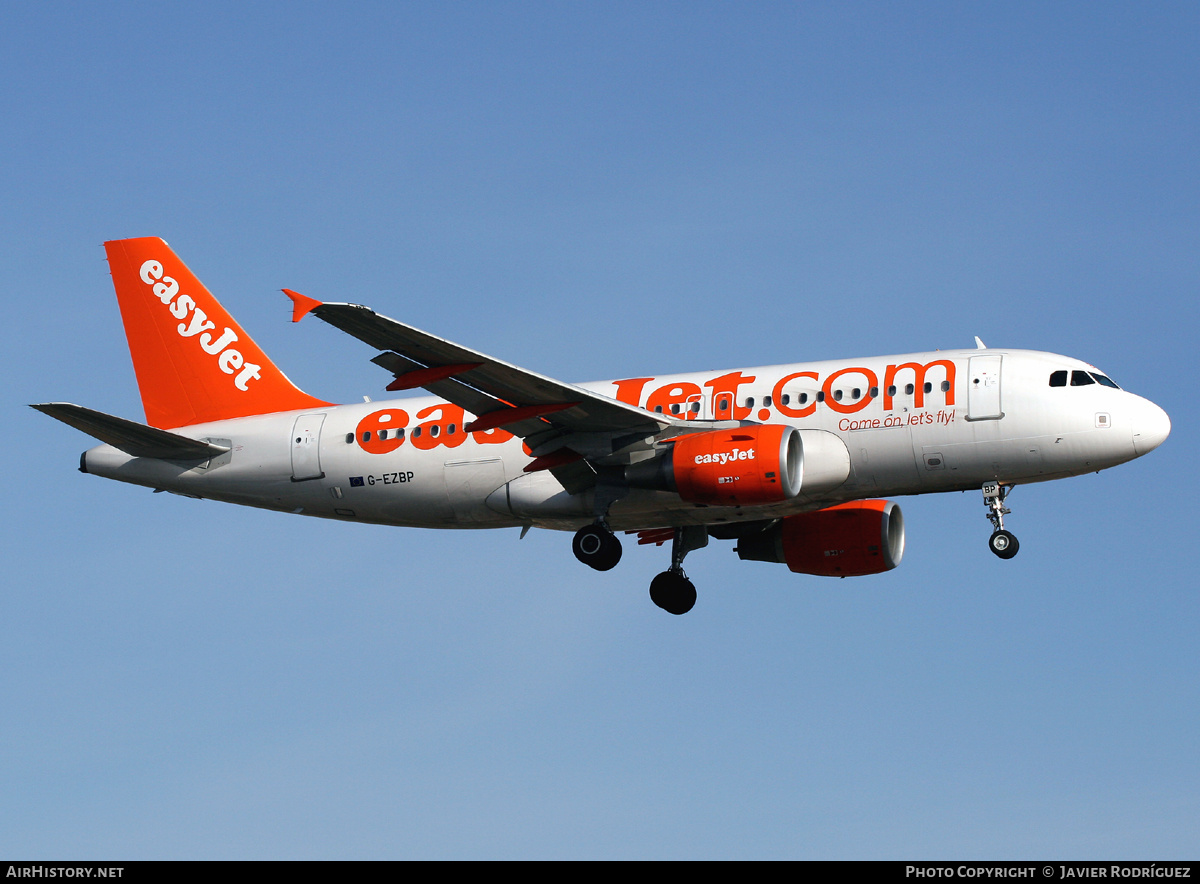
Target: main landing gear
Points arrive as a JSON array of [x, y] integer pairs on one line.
[[1002, 542], [671, 590], [597, 547]]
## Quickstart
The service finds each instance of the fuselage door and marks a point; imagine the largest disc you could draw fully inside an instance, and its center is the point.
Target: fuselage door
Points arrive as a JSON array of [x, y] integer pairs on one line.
[[983, 390], [306, 447]]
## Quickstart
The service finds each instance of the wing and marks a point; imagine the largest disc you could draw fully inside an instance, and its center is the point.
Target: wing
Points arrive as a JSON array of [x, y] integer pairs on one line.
[[571, 431]]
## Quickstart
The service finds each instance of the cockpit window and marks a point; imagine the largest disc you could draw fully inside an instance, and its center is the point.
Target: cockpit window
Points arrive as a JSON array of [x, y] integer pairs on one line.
[[1081, 379]]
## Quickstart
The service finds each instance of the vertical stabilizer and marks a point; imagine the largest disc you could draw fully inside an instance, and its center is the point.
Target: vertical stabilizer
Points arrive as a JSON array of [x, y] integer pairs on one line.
[[193, 362]]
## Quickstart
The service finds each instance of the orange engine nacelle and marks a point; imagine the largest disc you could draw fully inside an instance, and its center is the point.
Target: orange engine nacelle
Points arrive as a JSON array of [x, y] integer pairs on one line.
[[848, 540], [742, 466]]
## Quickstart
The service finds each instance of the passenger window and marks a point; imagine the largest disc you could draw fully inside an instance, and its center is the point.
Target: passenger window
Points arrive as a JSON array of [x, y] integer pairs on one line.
[[856, 393], [928, 387], [723, 405], [674, 408], [695, 408], [383, 434], [766, 401], [1058, 379], [837, 395], [349, 438], [908, 389], [945, 386], [749, 401], [803, 398], [892, 390], [874, 392], [1081, 379], [366, 435], [658, 409], [450, 430], [820, 395], [785, 399], [416, 432]]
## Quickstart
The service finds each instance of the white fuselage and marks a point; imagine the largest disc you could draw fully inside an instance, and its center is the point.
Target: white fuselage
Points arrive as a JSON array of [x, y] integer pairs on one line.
[[878, 427]]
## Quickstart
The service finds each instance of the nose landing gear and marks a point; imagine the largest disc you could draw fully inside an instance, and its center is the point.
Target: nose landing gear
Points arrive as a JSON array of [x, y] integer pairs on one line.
[[1002, 542]]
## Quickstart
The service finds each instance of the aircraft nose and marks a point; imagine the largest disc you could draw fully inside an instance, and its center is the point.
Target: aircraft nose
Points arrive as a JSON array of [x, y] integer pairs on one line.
[[1151, 426]]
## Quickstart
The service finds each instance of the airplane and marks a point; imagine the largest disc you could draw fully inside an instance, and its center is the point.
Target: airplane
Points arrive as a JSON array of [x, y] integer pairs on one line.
[[792, 462]]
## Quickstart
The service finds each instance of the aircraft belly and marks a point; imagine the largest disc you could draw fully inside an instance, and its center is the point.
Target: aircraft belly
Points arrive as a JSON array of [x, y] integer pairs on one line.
[[966, 464], [534, 496], [538, 499], [1087, 451]]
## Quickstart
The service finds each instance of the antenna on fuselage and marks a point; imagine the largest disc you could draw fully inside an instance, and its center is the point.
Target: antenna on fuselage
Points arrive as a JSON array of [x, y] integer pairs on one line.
[[979, 345]]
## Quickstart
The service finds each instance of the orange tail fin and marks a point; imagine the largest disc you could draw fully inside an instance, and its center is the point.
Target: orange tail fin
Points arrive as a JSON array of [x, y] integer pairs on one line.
[[193, 362]]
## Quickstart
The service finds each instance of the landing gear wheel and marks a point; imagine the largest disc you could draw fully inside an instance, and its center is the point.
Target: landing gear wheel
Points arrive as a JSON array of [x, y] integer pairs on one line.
[[673, 592], [596, 547], [1003, 544]]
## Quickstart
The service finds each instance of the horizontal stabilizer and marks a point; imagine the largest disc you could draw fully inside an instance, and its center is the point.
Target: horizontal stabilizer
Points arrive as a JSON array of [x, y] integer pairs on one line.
[[129, 436]]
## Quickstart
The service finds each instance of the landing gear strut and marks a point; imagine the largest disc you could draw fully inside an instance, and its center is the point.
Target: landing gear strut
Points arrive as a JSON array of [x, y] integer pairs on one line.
[[671, 590], [1002, 542], [597, 547]]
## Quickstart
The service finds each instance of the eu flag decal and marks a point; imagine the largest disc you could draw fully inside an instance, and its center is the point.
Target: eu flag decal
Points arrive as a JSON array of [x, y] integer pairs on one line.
[[356, 481]]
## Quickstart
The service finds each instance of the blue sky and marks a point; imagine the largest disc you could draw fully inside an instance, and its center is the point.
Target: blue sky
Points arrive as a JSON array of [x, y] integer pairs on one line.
[[601, 190]]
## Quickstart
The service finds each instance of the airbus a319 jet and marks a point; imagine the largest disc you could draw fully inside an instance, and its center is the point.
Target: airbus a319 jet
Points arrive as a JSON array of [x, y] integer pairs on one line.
[[791, 462]]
